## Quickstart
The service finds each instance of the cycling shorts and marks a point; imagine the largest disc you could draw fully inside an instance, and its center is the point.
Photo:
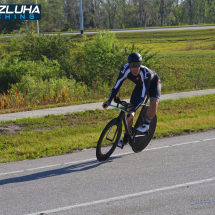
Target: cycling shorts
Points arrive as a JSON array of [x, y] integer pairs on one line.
[[154, 91]]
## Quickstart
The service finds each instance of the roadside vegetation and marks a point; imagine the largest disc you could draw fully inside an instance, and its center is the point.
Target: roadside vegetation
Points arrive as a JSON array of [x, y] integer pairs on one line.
[[32, 138], [49, 71]]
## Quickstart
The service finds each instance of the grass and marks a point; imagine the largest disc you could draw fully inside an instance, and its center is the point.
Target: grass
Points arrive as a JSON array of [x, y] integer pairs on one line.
[[187, 70], [180, 40], [161, 41], [32, 138]]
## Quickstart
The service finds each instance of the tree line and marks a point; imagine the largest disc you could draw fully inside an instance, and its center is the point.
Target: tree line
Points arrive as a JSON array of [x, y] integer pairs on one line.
[[63, 15]]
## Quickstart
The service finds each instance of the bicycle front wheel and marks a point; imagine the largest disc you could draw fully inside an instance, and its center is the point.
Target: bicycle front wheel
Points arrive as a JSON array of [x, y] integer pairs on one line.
[[109, 139]]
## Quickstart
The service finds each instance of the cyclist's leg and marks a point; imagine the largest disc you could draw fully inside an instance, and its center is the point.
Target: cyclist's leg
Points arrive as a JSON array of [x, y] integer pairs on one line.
[[130, 120], [154, 94], [134, 100], [153, 107], [125, 140]]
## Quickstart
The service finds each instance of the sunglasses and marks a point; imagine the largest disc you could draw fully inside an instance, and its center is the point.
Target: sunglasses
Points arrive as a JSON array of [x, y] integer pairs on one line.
[[134, 64]]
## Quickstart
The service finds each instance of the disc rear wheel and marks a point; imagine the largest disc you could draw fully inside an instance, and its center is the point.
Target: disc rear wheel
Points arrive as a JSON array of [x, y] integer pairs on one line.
[[142, 140]]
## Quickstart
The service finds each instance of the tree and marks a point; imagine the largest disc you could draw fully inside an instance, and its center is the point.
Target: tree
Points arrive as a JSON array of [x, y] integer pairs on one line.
[[111, 7], [190, 12], [142, 12], [162, 11]]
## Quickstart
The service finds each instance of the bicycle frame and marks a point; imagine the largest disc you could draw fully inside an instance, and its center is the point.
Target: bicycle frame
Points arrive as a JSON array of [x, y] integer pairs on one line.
[[141, 117], [137, 140]]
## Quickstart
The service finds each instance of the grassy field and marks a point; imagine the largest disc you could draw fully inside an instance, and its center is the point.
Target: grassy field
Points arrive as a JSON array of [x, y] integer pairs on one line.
[[53, 135], [182, 40], [179, 40], [187, 70]]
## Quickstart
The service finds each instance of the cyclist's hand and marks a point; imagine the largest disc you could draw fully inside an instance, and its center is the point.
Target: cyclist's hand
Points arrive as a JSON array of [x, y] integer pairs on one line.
[[106, 104]]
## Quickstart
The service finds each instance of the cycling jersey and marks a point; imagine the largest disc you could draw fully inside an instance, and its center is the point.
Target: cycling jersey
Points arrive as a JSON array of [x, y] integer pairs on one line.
[[142, 81]]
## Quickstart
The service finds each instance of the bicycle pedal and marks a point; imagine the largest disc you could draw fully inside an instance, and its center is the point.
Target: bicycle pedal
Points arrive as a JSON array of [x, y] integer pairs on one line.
[[121, 147], [142, 134]]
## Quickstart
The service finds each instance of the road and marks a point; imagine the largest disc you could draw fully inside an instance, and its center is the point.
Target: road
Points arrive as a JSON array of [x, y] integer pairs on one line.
[[173, 175], [153, 29], [134, 30]]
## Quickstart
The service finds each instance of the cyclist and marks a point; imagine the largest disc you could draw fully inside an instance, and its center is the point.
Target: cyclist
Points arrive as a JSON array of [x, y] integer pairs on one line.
[[146, 80]]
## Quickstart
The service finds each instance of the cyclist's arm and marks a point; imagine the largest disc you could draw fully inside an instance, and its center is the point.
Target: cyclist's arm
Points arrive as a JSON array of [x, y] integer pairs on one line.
[[145, 88], [122, 76]]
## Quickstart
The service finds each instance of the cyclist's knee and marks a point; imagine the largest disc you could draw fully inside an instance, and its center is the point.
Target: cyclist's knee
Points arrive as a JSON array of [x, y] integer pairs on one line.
[[130, 114]]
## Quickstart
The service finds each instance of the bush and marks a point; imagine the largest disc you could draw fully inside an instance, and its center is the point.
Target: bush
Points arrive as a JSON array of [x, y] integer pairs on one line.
[[101, 59], [12, 70], [54, 90], [58, 48], [67, 26], [35, 73]]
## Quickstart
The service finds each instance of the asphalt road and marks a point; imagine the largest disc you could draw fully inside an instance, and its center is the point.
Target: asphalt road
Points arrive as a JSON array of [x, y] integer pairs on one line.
[[171, 176], [152, 29], [134, 30], [91, 106]]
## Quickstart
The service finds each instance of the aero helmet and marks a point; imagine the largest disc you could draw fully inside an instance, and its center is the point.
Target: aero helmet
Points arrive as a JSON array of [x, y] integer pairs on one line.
[[134, 59]]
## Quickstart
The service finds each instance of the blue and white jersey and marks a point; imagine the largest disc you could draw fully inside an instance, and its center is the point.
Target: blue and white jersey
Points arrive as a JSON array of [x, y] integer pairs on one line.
[[142, 81]]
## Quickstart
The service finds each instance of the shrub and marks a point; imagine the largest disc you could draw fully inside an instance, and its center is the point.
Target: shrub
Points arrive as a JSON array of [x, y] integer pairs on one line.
[[58, 48], [12, 70], [54, 90], [101, 59]]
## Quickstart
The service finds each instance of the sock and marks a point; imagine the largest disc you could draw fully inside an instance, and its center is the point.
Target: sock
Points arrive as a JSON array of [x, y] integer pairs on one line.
[[147, 120]]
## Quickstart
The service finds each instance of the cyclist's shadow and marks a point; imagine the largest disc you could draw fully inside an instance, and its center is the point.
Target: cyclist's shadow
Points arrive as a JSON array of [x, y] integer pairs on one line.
[[56, 172]]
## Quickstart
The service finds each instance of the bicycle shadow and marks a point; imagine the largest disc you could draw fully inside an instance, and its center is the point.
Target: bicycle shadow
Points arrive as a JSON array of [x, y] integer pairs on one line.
[[57, 172]]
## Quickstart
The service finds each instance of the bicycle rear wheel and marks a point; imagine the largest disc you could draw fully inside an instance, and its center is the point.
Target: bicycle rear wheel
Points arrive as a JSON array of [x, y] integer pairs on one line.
[[109, 139], [141, 140]]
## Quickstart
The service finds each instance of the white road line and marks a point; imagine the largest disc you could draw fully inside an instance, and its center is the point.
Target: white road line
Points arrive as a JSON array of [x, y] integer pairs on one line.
[[180, 144], [93, 159], [125, 196]]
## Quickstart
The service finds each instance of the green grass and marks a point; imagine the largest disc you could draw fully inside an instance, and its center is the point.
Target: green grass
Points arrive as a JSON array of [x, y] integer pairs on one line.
[[187, 70], [179, 40], [53, 135]]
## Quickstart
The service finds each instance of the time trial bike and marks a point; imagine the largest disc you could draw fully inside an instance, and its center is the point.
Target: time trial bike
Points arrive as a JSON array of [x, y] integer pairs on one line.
[[111, 134]]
